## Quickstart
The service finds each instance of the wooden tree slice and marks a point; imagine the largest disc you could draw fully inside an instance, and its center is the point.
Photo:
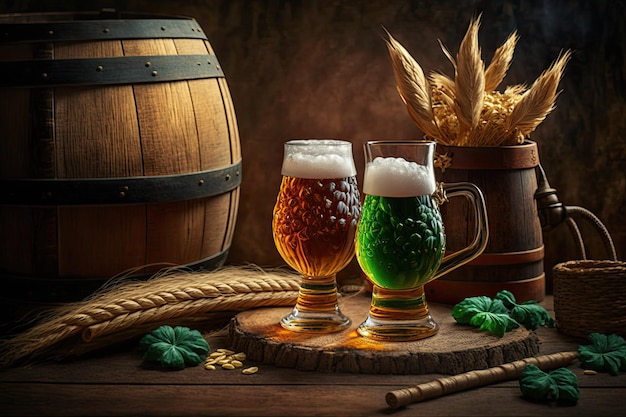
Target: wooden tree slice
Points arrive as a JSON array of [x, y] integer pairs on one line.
[[454, 349]]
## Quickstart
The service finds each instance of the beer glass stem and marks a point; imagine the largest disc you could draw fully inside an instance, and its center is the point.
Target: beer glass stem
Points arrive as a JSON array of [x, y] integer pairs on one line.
[[317, 309], [398, 316]]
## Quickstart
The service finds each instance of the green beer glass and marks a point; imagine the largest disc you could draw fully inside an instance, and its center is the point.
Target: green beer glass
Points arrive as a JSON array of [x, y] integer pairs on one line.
[[400, 241]]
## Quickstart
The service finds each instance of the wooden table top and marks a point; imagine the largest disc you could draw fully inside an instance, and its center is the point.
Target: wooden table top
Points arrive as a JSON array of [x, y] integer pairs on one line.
[[116, 382]]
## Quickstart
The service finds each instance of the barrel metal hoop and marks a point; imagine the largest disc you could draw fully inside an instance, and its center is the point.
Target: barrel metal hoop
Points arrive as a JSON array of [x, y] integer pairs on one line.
[[104, 29], [108, 70], [448, 292], [509, 258], [127, 190]]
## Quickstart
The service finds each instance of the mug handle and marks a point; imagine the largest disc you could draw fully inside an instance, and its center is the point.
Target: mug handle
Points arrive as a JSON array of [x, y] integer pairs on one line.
[[481, 235]]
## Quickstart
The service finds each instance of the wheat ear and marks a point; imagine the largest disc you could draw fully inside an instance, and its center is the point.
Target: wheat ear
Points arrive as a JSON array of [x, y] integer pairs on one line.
[[469, 79], [413, 87], [539, 100], [445, 83], [500, 63]]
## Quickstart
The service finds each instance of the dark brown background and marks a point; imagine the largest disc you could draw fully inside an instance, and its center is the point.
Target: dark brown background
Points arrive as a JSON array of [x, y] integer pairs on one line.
[[320, 69]]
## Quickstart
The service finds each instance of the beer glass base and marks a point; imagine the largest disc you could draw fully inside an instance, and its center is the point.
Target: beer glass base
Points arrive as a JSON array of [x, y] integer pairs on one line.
[[315, 322], [398, 330]]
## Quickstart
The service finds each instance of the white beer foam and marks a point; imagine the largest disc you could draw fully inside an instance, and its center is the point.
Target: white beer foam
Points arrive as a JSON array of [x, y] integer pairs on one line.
[[318, 158], [397, 177]]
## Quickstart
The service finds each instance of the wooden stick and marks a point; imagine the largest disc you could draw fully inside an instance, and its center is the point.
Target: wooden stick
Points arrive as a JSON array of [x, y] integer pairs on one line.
[[447, 385]]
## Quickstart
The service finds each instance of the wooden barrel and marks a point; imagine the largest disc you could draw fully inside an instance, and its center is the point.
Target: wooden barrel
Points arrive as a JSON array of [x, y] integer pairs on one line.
[[513, 258], [119, 153]]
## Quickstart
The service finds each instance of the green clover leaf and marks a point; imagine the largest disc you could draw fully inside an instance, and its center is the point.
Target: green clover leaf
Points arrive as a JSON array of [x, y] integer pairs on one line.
[[485, 313], [469, 307], [495, 323], [605, 353], [557, 385], [529, 313], [175, 348]]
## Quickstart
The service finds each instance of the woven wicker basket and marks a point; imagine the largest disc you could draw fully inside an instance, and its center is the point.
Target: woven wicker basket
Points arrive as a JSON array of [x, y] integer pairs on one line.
[[590, 297]]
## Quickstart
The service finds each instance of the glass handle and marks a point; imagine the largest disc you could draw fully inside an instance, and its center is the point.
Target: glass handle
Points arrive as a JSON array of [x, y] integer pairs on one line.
[[481, 234]]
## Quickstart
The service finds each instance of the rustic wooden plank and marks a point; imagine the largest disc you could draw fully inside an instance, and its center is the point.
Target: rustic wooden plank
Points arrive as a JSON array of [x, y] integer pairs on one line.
[[168, 131], [97, 136], [285, 399], [126, 368], [217, 222], [209, 108], [234, 197], [217, 129], [115, 240], [97, 132], [175, 232], [15, 150], [117, 382]]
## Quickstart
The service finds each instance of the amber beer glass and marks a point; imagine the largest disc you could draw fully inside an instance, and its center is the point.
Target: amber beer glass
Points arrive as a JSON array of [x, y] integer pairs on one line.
[[400, 243], [314, 226]]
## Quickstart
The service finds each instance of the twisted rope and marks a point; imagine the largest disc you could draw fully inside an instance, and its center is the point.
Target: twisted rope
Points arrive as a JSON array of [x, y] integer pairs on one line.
[[126, 310]]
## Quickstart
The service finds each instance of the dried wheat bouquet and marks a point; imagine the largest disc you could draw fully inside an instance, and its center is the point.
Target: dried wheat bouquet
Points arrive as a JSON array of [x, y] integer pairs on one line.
[[468, 110]]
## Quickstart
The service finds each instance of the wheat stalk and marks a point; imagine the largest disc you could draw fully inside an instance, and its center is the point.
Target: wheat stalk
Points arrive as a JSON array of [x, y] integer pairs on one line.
[[413, 87], [467, 110], [539, 100], [500, 63], [469, 82]]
